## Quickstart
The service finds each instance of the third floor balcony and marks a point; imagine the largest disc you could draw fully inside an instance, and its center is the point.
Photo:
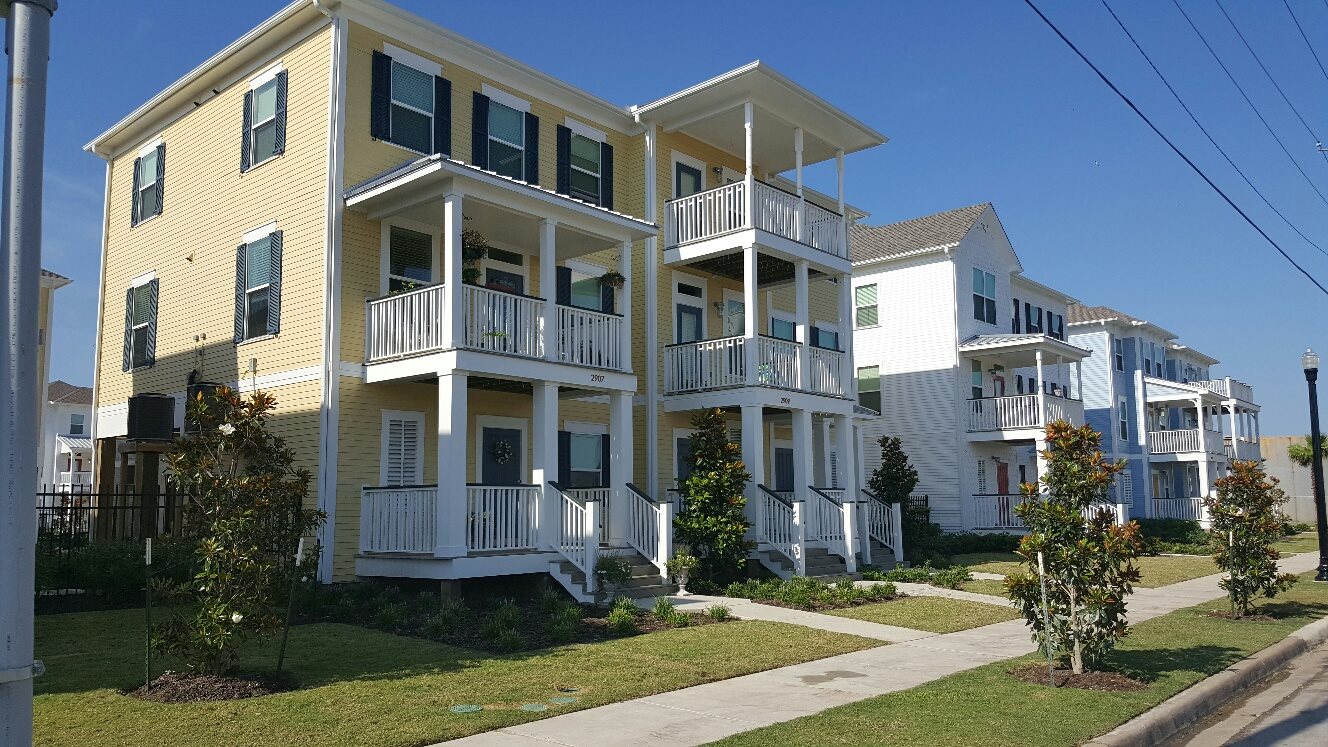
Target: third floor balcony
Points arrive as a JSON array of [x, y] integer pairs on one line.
[[768, 211]]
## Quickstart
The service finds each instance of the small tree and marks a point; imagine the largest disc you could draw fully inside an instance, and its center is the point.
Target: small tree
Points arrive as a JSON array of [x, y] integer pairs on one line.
[[247, 504], [1246, 521], [712, 523], [1303, 455], [894, 481], [1089, 561]]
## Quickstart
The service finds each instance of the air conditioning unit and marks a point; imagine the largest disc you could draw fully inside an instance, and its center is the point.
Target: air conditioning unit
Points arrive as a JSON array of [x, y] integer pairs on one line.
[[151, 417], [208, 389]]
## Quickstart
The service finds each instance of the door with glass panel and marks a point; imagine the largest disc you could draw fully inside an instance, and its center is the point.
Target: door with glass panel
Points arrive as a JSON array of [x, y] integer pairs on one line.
[[688, 327]]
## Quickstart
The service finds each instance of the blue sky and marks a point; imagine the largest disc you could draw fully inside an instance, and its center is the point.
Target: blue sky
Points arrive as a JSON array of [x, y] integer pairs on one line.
[[980, 100]]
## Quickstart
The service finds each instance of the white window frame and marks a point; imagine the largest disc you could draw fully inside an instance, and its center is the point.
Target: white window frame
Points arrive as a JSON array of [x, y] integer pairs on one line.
[[983, 293], [857, 377], [82, 424], [250, 237], [523, 269], [420, 64], [1123, 420], [387, 416], [522, 107], [856, 306], [495, 421], [829, 327], [1118, 353], [597, 430], [783, 316], [678, 157], [134, 285], [679, 433], [385, 250], [147, 149], [586, 271], [266, 77], [589, 133], [731, 295], [700, 282]]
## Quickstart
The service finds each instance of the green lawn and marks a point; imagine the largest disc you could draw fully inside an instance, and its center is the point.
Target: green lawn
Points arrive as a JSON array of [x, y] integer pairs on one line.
[[1298, 543], [985, 586], [985, 706], [363, 687], [1161, 570], [934, 614]]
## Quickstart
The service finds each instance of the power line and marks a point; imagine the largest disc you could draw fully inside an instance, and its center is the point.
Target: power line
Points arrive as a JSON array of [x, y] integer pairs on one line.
[[1249, 101], [1271, 79], [1306, 38], [1204, 130], [1173, 147]]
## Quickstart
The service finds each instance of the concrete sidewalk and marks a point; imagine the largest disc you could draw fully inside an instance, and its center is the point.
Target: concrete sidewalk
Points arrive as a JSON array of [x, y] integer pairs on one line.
[[704, 713]]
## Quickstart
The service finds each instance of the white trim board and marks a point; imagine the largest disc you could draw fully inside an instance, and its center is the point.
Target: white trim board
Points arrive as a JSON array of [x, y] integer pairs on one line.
[[506, 99], [584, 130], [410, 59]]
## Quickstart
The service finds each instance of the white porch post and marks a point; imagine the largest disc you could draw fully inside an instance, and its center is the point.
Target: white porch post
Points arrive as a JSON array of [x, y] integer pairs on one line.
[[751, 320], [453, 315], [544, 432], [802, 476], [826, 452], [625, 303], [802, 320], [548, 281], [1079, 380], [748, 175], [452, 509], [855, 528], [1041, 390], [797, 169], [1235, 429], [846, 323], [753, 456], [621, 468], [843, 216]]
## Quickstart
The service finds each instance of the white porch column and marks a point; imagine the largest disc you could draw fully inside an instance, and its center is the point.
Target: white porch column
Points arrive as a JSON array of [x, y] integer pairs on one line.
[[753, 456], [748, 175], [825, 451], [1040, 462], [1235, 428], [843, 216], [1203, 434], [846, 323], [548, 282], [452, 508], [625, 305], [802, 478], [751, 319], [802, 320], [620, 467], [453, 315], [1041, 390], [544, 463], [797, 169], [847, 456]]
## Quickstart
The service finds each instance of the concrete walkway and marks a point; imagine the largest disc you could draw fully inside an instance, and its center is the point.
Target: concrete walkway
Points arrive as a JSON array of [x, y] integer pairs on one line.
[[704, 713]]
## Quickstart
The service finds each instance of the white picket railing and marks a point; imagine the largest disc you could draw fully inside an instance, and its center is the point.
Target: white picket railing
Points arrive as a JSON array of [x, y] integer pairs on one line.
[[996, 511], [649, 527], [777, 528], [997, 413], [398, 519], [828, 521], [1185, 440], [705, 215], [1191, 509], [777, 211], [1117, 511], [705, 364], [1229, 387], [885, 524], [578, 535], [821, 230], [501, 322], [1069, 410], [777, 362], [600, 496], [589, 338], [502, 517], [827, 371], [404, 324], [723, 209]]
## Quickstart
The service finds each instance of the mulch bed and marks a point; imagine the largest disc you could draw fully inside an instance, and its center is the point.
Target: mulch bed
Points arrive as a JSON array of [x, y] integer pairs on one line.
[[1036, 674], [1226, 615], [190, 687]]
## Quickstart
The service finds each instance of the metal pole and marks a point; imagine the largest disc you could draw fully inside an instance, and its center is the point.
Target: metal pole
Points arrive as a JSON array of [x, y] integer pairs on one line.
[[27, 41], [1316, 467]]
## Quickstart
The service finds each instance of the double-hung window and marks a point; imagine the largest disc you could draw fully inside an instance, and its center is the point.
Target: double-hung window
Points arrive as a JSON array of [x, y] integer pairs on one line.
[[258, 284], [264, 119], [140, 339], [409, 259], [585, 168], [149, 175], [76, 424], [410, 103], [1123, 413], [869, 387], [507, 140], [587, 460], [976, 385], [412, 108], [1118, 353], [984, 296], [866, 313]]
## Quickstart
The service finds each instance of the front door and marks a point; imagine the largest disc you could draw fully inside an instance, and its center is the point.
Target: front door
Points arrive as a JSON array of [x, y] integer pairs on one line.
[[500, 456], [783, 470], [735, 314], [1003, 477]]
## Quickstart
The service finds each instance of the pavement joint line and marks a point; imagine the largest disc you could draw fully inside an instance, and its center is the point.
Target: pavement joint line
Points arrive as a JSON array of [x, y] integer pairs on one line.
[[647, 701]]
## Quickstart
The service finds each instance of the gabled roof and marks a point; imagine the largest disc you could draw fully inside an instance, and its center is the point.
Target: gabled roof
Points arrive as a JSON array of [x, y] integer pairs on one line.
[[930, 232], [1081, 314], [68, 394]]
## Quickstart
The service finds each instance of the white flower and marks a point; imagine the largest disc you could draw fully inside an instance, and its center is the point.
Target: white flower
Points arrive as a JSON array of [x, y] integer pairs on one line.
[[226, 429], [236, 617]]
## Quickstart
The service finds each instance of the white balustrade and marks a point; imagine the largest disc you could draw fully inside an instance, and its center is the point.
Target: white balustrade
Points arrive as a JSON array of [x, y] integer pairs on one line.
[[821, 230], [1190, 509], [705, 215], [578, 536], [648, 526], [589, 338], [997, 413], [777, 524], [777, 363], [1117, 511], [1069, 410], [502, 517], [1229, 387], [1239, 448], [398, 519], [705, 364], [723, 209], [885, 524], [827, 520], [501, 322], [404, 324], [827, 371], [598, 495], [1184, 441], [997, 511], [777, 211]]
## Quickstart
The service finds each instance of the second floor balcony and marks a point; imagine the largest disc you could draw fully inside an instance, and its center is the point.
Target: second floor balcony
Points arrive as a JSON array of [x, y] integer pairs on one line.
[[1021, 411], [780, 364], [1186, 441], [767, 209], [1229, 387]]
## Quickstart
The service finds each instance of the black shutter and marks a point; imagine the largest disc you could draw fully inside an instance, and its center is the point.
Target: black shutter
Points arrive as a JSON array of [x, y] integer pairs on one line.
[[606, 298], [279, 146], [129, 332], [152, 322], [247, 123], [604, 461], [564, 153], [816, 337], [479, 130], [161, 174], [532, 148], [563, 295], [239, 292], [1028, 317], [606, 176], [564, 458], [442, 115], [133, 210], [1014, 325], [380, 98], [274, 284]]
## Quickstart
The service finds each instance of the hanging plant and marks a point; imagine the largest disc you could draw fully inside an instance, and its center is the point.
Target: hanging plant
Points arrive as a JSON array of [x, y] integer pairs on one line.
[[613, 279], [470, 275], [474, 247], [501, 451]]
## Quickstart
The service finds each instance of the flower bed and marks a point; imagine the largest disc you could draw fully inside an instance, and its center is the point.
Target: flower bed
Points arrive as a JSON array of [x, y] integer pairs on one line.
[[810, 594]]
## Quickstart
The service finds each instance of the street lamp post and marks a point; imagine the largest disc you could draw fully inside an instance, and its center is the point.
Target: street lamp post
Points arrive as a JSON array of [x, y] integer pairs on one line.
[[1310, 362]]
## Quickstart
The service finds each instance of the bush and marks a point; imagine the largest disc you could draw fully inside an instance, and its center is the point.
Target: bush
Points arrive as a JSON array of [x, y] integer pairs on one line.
[[622, 618], [951, 578], [962, 543], [809, 594], [564, 621], [719, 612], [508, 640], [918, 574], [505, 616], [447, 619], [713, 524], [1179, 536], [391, 616], [664, 609], [612, 572]]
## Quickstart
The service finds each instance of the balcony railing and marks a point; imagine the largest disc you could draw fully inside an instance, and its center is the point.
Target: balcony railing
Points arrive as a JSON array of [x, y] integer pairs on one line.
[[74, 478], [1229, 387], [495, 321], [717, 364], [402, 519], [1239, 448], [1190, 509], [722, 210], [827, 371], [1021, 411], [1184, 441], [997, 512]]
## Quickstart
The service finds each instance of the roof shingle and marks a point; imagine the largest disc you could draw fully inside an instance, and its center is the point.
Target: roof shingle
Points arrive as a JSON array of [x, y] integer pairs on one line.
[[867, 243], [69, 394]]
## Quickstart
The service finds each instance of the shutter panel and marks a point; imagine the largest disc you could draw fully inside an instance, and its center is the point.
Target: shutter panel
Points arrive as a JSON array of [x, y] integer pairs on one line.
[[564, 158], [161, 174], [479, 130], [1014, 326], [1028, 317], [410, 452], [274, 284], [152, 322], [380, 98], [133, 210], [564, 458], [279, 146], [606, 298], [129, 332], [239, 291], [246, 123], [442, 116], [605, 175], [532, 148], [604, 457], [982, 477], [563, 296], [392, 472]]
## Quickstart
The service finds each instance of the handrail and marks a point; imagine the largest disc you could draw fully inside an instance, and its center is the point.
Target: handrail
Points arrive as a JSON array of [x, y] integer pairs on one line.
[[493, 485], [758, 182], [402, 487], [569, 493], [821, 492], [775, 495], [632, 487], [710, 339], [582, 308]]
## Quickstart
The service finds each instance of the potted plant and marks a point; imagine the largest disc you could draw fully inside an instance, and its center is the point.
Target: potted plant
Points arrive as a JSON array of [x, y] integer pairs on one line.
[[613, 279], [470, 275], [612, 573], [680, 566], [474, 247]]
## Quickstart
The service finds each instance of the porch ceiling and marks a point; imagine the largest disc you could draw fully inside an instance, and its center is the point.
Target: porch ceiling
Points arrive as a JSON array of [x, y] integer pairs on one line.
[[770, 270]]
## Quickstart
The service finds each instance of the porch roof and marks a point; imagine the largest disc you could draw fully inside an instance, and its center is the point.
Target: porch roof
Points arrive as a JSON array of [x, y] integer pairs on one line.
[[1025, 343], [75, 443], [1163, 390]]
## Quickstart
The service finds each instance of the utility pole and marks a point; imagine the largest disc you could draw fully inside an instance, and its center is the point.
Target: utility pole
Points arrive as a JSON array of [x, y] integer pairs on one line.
[[28, 43]]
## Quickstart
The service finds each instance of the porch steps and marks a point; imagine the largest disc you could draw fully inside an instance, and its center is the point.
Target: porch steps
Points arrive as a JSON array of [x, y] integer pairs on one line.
[[882, 556], [645, 581], [821, 565]]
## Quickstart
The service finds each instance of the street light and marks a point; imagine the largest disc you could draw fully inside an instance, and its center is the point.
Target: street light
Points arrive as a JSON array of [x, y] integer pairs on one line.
[[1310, 362]]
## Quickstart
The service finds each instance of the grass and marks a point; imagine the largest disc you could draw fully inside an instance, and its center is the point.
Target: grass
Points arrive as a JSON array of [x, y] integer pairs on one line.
[[364, 687], [1160, 570], [934, 614], [985, 706], [985, 586], [1297, 543]]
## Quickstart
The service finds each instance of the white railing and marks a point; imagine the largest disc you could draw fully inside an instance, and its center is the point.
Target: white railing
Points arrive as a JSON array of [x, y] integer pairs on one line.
[[1184, 441], [998, 413], [578, 536], [1191, 509], [1229, 387], [502, 517], [398, 519], [404, 324], [1117, 511], [74, 478], [707, 214], [885, 524], [996, 511], [705, 364], [500, 322], [777, 362], [777, 524], [828, 521], [600, 496], [827, 371], [1069, 410], [589, 338], [785, 214], [1239, 448], [649, 527], [821, 230]]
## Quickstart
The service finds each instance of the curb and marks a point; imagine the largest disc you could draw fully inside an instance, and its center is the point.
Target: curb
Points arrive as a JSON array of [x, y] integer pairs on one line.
[[1206, 696]]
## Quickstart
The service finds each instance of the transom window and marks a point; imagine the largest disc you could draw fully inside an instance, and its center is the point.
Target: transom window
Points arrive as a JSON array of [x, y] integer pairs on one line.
[[587, 460], [412, 108], [148, 204], [264, 128], [865, 311], [585, 168], [410, 259], [258, 286], [984, 296], [141, 318], [507, 140], [869, 387]]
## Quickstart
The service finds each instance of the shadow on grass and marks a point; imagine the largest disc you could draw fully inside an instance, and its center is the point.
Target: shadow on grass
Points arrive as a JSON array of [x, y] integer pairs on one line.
[[1289, 609], [1151, 664]]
